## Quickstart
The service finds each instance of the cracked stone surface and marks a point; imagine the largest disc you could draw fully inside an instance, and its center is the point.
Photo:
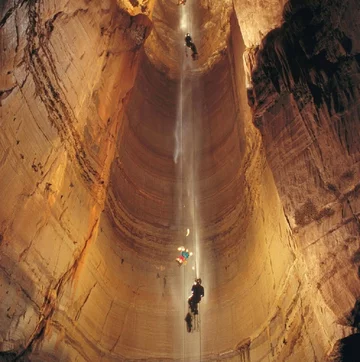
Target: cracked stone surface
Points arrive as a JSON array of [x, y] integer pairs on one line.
[[89, 189], [62, 95], [305, 101]]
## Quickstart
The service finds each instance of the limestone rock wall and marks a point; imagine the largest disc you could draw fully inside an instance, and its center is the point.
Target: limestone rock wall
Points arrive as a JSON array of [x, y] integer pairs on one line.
[[305, 101], [142, 193], [241, 219], [256, 18], [249, 257], [206, 20], [66, 70], [88, 187]]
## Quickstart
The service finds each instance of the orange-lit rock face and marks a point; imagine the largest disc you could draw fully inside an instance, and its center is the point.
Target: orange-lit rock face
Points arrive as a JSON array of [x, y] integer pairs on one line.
[[206, 21], [143, 210], [65, 71], [96, 199]]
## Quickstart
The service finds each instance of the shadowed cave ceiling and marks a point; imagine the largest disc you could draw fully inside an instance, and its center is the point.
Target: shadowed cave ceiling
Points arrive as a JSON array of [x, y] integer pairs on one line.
[[116, 148]]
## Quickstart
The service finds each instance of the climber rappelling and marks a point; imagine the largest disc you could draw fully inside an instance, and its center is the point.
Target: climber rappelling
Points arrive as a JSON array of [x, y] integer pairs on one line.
[[190, 44], [197, 292], [192, 318]]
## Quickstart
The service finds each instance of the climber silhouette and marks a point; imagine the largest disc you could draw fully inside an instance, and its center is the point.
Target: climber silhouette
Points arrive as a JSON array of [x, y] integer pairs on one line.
[[197, 292], [190, 44]]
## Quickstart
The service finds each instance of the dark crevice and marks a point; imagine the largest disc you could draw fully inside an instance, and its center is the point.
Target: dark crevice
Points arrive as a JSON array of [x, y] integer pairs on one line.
[[7, 15], [10, 357], [312, 61], [84, 302], [316, 93], [5, 93], [346, 349]]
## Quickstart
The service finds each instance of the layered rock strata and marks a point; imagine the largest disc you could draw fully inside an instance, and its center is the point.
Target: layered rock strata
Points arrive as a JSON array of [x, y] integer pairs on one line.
[[67, 68], [305, 100], [277, 205]]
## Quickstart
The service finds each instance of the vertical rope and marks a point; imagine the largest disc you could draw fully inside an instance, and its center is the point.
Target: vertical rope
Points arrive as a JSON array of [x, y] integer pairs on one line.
[[182, 184], [187, 164], [184, 311]]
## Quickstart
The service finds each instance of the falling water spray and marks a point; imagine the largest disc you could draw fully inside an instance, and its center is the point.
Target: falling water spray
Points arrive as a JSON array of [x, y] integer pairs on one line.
[[185, 157], [185, 148]]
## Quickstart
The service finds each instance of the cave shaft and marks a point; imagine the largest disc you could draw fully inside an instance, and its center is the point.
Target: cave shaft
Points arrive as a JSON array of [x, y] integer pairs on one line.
[[113, 144]]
